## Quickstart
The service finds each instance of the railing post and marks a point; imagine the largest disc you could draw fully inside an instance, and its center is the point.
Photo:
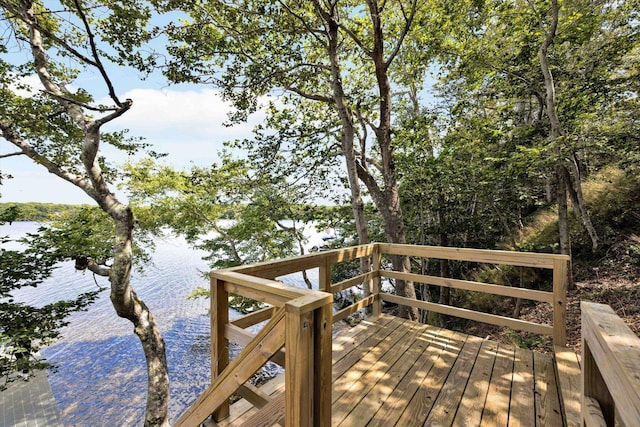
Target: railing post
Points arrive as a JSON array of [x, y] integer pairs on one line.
[[324, 275], [560, 302], [375, 282], [323, 327], [219, 344], [299, 357]]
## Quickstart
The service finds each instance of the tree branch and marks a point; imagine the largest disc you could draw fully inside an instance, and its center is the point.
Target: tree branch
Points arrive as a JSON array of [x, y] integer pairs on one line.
[[4, 156], [408, 20], [94, 51], [311, 96], [10, 135]]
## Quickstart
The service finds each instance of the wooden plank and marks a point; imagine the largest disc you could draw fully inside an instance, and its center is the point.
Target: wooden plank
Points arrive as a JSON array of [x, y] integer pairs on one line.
[[348, 311], [487, 288], [254, 395], [254, 318], [496, 410], [273, 269], [615, 350], [593, 416], [342, 381], [442, 350], [472, 315], [418, 408], [522, 411], [448, 400], [251, 358], [263, 290], [272, 413], [547, 403], [242, 410], [470, 410], [219, 318], [524, 259], [569, 383], [371, 402], [560, 302], [299, 369], [358, 337], [354, 281], [377, 368], [243, 338]]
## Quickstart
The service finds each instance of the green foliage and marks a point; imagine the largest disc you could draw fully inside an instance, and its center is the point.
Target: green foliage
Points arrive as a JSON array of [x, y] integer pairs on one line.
[[25, 329]]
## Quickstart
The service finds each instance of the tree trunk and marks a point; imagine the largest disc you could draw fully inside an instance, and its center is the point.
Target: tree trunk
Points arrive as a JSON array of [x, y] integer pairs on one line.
[[387, 201], [555, 134], [347, 139], [574, 185], [129, 306]]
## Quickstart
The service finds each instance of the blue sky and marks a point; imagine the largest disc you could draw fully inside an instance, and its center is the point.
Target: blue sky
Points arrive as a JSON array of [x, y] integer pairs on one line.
[[185, 121]]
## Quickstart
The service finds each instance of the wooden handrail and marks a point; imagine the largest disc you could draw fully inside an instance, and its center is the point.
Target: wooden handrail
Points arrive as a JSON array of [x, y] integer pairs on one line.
[[557, 263], [610, 368]]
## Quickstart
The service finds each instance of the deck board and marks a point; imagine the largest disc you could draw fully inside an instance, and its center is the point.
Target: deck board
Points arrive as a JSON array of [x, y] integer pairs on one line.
[[475, 394], [389, 371]]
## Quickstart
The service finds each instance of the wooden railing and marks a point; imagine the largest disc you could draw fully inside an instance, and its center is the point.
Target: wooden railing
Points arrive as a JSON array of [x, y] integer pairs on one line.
[[557, 297], [610, 369], [300, 321]]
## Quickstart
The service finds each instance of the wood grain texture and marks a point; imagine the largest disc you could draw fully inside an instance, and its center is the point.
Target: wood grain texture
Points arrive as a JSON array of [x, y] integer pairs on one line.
[[611, 363], [389, 371], [569, 383]]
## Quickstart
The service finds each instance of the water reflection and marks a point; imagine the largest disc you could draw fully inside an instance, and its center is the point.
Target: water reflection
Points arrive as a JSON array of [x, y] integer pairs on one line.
[[101, 376]]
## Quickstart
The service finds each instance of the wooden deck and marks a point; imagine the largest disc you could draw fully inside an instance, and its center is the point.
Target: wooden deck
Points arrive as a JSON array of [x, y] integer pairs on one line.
[[389, 371]]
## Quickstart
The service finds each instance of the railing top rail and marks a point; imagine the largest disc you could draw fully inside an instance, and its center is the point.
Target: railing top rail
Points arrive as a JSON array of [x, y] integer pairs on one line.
[[277, 268], [524, 259], [616, 351]]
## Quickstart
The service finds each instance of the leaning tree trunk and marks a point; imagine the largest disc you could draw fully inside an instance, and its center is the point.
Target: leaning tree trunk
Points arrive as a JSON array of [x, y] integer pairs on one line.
[[129, 306], [347, 139], [92, 182]]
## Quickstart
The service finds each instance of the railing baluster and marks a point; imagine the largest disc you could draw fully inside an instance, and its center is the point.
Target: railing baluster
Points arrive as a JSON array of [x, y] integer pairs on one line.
[[375, 282]]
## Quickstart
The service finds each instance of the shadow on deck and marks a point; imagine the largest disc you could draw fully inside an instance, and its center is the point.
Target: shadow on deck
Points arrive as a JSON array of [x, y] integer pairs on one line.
[[389, 371]]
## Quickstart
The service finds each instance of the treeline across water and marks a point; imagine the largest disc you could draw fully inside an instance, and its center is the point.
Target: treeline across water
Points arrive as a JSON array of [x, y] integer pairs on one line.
[[35, 211]]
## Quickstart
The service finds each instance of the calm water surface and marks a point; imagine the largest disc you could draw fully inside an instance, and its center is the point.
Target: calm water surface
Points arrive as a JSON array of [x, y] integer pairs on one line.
[[101, 376]]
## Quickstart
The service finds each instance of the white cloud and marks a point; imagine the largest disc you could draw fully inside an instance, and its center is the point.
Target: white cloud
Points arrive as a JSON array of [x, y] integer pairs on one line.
[[186, 124]]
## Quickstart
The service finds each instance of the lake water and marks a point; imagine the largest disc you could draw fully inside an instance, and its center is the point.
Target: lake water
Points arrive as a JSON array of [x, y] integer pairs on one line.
[[101, 377]]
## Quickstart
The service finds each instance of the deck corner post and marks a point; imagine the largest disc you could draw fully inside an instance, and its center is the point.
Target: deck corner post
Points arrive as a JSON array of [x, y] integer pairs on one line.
[[375, 282], [323, 327], [219, 316], [299, 369], [560, 267]]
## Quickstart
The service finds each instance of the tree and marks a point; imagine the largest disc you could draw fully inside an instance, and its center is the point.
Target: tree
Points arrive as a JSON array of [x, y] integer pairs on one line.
[[340, 54], [60, 130], [539, 71]]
